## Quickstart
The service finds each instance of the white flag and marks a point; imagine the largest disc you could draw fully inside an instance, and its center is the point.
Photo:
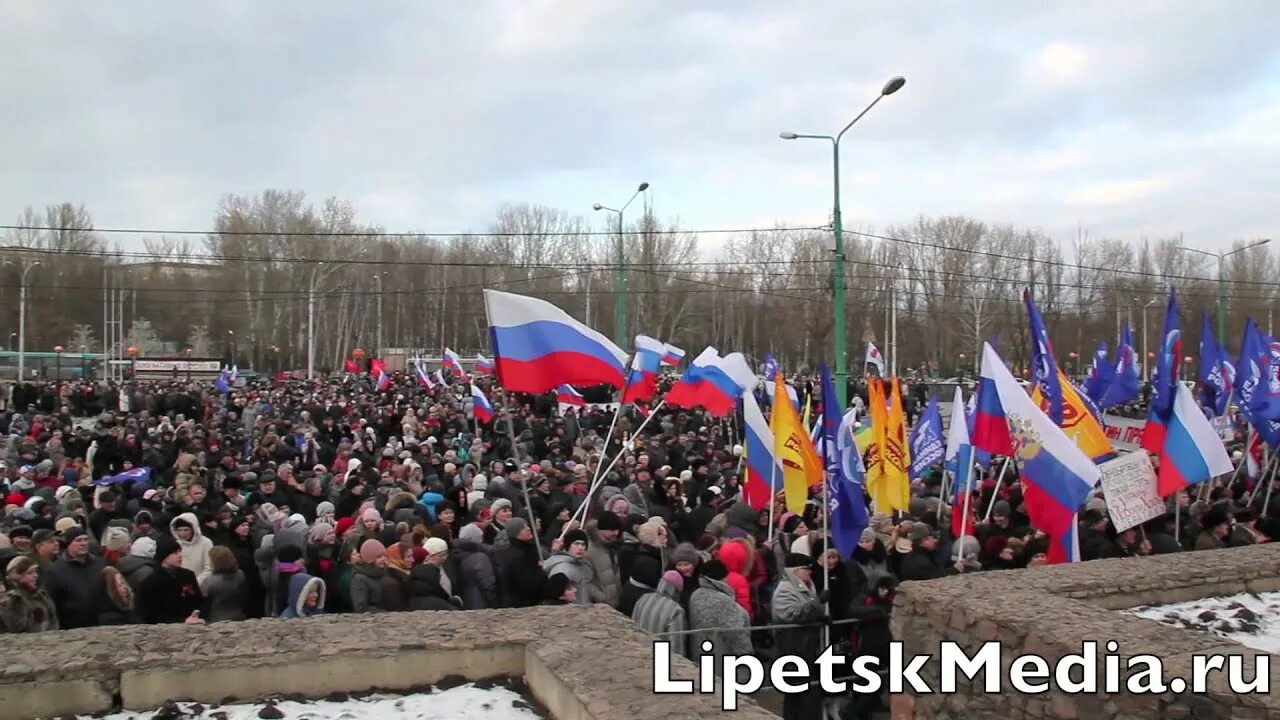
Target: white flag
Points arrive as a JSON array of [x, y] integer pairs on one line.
[[875, 358]]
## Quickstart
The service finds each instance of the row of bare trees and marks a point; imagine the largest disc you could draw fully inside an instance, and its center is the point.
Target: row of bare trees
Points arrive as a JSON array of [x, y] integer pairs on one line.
[[245, 288]]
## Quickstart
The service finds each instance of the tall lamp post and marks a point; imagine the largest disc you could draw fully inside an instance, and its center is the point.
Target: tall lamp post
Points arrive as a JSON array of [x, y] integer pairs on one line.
[[837, 271], [378, 278], [620, 270], [1146, 364], [311, 323], [57, 350], [22, 319], [188, 353], [1222, 289]]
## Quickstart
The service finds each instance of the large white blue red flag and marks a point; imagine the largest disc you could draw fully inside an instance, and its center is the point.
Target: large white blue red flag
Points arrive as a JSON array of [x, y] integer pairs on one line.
[[712, 382], [537, 346], [646, 363], [451, 362], [1057, 475], [1193, 452]]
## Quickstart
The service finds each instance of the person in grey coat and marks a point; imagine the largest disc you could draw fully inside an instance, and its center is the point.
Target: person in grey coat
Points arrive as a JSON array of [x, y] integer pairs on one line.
[[475, 561], [660, 612], [796, 601], [713, 605], [602, 557], [367, 580], [570, 563]]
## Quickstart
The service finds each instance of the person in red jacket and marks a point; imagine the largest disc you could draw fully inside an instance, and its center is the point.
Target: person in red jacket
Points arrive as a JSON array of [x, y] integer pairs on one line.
[[738, 557]]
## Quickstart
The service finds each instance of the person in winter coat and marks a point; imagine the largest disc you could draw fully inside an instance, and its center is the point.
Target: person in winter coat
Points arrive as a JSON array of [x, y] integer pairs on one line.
[[1215, 529], [715, 605], [172, 593], [425, 590], [737, 557], [195, 546], [139, 563], [921, 563], [117, 605], [25, 607], [306, 596], [370, 574], [796, 601], [602, 557], [569, 561], [560, 591], [521, 569], [660, 612], [72, 582], [224, 588], [871, 557], [476, 566], [292, 532], [654, 542], [645, 575], [871, 637]]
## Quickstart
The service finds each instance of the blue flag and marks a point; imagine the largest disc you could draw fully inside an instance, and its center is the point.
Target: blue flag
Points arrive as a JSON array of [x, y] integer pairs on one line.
[[139, 476], [1123, 387], [926, 440], [845, 498], [1044, 369], [1101, 374], [223, 382], [770, 366], [1217, 375], [1251, 390]]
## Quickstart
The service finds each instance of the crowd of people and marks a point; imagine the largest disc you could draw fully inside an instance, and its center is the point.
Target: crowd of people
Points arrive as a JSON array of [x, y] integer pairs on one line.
[[291, 498]]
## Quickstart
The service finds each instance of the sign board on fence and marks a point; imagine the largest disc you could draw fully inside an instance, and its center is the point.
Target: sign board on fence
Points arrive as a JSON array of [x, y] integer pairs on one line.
[[1129, 483]]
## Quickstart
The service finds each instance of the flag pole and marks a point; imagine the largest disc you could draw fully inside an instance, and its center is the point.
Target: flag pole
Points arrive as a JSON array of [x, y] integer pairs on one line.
[[995, 494], [524, 487], [968, 495], [1266, 501], [942, 493], [773, 492], [600, 480], [604, 450]]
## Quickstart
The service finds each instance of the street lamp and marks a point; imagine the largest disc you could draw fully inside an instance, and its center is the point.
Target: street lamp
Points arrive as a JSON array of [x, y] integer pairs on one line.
[[188, 352], [620, 305], [22, 318], [311, 323], [378, 279], [57, 349], [1146, 366], [232, 335], [358, 356], [1222, 291], [837, 271]]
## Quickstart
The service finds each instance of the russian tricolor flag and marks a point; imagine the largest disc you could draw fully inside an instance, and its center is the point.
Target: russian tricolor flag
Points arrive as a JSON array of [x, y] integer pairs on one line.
[[1193, 452], [672, 355], [452, 362], [566, 395], [642, 381], [384, 381], [1164, 381], [1058, 476], [763, 470], [420, 372], [484, 366], [480, 405], [538, 346], [714, 382]]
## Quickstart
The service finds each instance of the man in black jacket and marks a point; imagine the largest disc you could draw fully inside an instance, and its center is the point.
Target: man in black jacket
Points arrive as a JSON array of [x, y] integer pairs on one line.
[[73, 582], [922, 563], [171, 594], [521, 568]]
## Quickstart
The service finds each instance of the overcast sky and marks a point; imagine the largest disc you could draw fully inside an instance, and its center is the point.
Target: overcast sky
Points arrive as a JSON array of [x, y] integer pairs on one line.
[[1125, 118]]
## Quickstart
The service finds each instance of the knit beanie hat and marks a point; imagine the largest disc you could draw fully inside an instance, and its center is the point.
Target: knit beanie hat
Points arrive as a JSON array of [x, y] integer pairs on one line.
[[868, 535], [435, 546], [574, 536], [608, 521], [63, 525], [499, 504], [555, 586], [715, 570], [74, 533], [289, 554], [371, 550], [798, 560], [370, 514], [20, 565], [166, 546], [674, 579], [471, 532], [514, 526], [685, 552], [143, 547], [344, 525], [116, 538], [419, 555]]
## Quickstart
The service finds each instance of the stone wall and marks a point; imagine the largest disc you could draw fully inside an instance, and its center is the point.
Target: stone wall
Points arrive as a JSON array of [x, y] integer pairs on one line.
[[581, 663], [1051, 611]]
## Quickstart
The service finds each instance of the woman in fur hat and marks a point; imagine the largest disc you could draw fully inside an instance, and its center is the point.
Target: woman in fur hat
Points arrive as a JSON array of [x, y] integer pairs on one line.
[[26, 607]]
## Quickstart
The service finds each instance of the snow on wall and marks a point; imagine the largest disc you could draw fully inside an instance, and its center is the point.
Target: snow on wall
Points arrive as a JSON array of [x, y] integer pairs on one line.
[[1251, 620], [466, 702]]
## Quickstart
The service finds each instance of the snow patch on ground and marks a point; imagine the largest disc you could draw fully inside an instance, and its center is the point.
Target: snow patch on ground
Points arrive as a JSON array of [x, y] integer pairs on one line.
[[466, 702], [1251, 620]]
